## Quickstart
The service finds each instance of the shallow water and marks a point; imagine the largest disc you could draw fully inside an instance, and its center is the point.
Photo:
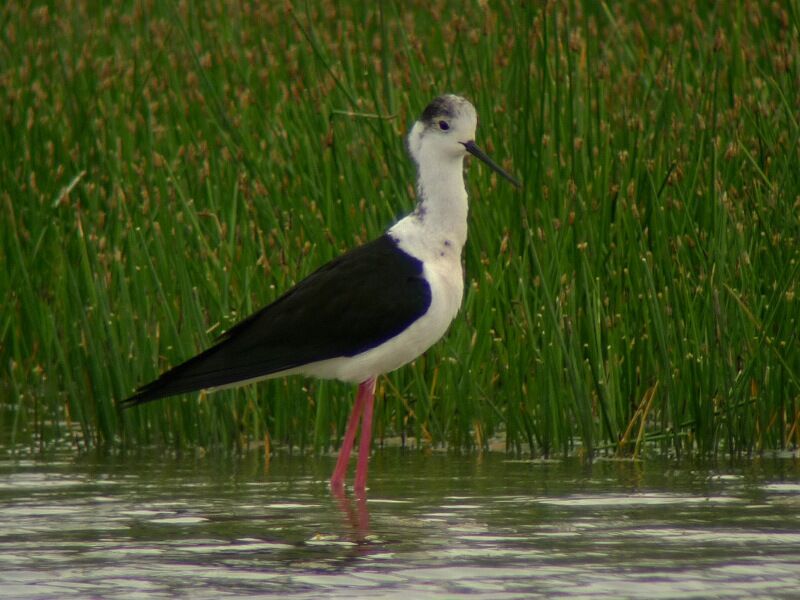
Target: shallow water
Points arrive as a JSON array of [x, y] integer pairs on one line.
[[432, 526]]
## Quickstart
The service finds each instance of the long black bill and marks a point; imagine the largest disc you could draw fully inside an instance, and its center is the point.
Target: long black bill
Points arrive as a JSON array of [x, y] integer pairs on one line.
[[473, 149]]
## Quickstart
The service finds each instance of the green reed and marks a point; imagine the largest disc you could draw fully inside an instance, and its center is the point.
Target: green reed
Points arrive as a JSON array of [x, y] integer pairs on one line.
[[169, 168]]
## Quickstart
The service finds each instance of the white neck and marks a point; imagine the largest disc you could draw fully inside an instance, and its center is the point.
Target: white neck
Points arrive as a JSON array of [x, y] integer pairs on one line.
[[441, 212], [442, 197]]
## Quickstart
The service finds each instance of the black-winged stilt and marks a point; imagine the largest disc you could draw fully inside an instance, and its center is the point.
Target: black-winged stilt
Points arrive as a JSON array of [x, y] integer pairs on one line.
[[369, 311]]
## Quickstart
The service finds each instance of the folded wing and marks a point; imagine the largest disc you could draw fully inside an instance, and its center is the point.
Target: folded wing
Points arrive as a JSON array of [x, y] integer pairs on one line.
[[348, 306]]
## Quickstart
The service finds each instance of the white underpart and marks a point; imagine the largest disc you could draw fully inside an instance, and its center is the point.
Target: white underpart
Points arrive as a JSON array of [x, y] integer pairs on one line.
[[435, 234]]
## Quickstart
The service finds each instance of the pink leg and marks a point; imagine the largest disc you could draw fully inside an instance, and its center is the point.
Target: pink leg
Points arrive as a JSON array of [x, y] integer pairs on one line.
[[365, 443], [337, 479]]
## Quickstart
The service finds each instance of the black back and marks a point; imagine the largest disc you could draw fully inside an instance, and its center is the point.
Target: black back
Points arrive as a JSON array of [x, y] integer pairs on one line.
[[348, 306]]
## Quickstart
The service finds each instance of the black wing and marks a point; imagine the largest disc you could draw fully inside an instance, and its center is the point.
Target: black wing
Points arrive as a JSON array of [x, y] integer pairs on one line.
[[352, 304]]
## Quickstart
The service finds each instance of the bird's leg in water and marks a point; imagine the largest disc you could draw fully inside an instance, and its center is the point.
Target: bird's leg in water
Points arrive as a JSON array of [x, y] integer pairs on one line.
[[366, 437], [365, 390]]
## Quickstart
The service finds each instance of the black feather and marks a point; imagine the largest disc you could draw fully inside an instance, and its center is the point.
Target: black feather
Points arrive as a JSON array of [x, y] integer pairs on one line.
[[438, 108], [352, 304]]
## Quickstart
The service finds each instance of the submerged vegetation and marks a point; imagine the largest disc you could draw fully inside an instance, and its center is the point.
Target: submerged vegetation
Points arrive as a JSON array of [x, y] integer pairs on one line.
[[167, 168]]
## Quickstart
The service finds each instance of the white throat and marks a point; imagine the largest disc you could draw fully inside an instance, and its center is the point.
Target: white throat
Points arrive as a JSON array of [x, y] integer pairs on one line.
[[439, 222]]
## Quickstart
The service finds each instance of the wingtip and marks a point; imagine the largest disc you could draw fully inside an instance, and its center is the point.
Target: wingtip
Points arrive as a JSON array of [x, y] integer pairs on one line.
[[128, 402], [132, 401], [144, 394]]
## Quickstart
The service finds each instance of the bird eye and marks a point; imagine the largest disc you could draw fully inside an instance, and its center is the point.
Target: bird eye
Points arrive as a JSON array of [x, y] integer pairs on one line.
[[444, 125]]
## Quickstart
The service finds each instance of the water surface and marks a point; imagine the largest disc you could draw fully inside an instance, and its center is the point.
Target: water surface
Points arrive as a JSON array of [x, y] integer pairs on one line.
[[432, 526]]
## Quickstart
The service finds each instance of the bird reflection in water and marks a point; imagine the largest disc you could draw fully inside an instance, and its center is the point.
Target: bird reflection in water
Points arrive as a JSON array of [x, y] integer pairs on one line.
[[355, 512]]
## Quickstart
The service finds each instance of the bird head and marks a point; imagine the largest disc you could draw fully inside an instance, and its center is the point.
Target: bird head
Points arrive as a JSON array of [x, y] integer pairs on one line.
[[446, 131]]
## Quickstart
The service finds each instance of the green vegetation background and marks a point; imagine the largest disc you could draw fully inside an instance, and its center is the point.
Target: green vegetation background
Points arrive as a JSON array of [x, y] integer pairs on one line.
[[169, 167]]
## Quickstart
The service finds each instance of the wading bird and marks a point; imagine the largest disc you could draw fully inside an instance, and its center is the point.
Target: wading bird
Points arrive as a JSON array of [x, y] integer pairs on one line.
[[369, 311]]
